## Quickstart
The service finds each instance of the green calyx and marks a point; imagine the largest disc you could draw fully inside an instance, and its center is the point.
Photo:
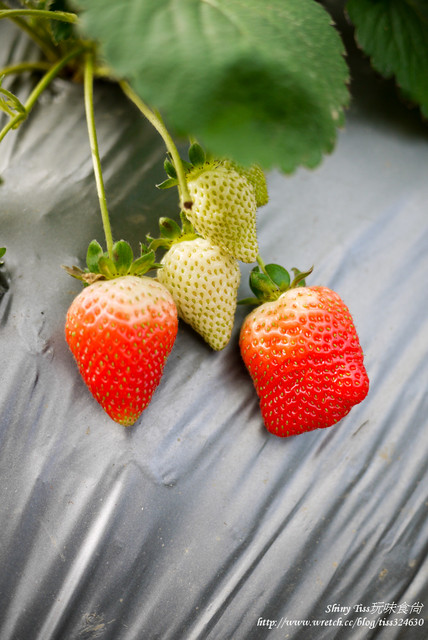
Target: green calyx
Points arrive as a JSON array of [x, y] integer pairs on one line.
[[197, 159], [171, 233], [101, 267], [200, 161], [269, 281]]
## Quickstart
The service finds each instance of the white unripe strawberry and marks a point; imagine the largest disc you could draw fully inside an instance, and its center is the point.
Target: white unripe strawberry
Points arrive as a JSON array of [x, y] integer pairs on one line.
[[255, 176], [224, 209], [203, 281]]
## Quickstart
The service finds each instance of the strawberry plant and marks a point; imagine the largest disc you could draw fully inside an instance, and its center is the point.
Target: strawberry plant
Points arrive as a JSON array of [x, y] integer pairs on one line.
[[394, 34], [122, 327], [252, 86]]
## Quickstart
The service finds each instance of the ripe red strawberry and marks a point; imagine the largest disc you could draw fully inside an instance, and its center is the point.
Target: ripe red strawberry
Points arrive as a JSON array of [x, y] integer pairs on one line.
[[121, 332], [303, 354]]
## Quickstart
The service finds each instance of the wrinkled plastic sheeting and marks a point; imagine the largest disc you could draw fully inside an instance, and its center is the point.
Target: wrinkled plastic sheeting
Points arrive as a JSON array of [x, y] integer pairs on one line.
[[196, 523]]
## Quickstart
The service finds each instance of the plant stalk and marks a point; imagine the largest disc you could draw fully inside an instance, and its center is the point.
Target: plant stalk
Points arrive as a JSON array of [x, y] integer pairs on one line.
[[38, 90], [22, 67], [262, 265], [156, 120], [62, 16], [45, 45], [96, 161]]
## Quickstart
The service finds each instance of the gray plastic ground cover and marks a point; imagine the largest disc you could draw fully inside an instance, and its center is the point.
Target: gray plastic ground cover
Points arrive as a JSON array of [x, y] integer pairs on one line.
[[196, 523]]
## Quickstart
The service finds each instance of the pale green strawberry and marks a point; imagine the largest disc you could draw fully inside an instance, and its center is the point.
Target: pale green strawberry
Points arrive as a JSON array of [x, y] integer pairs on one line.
[[203, 281], [256, 177], [224, 209]]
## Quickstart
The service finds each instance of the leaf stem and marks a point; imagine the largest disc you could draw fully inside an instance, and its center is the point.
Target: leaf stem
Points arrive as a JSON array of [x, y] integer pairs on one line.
[[38, 89], [21, 67], [46, 46], [62, 16], [96, 161], [156, 120]]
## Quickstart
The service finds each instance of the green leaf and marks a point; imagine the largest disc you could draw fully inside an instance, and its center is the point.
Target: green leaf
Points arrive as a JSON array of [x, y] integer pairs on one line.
[[143, 264], [186, 225], [252, 301], [123, 257], [394, 33], [169, 228], [170, 169], [107, 267], [9, 103], [421, 8], [300, 277], [261, 285], [279, 275], [196, 154], [93, 256], [60, 30], [167, 184], [259, 82]]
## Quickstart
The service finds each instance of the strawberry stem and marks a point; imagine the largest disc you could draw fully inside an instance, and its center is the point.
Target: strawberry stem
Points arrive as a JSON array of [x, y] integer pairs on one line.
[[156, 120], [22, 67], [46, 46], [62, 16], [90, 119], [38, 89], [262, 265]]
